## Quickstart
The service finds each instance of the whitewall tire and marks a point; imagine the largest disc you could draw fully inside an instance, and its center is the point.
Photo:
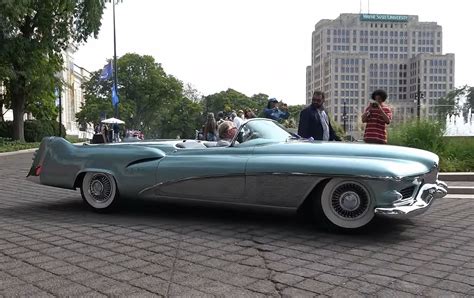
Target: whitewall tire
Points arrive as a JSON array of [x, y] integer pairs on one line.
[[99, 190], [347, 204]]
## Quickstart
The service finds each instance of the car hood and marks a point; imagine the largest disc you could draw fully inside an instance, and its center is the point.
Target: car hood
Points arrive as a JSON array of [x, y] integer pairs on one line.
[[354, 158]]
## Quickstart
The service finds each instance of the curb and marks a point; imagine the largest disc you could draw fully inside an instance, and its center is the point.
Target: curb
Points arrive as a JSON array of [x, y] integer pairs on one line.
[[18, 152], [465, 190], [456, 176], [28, 150]]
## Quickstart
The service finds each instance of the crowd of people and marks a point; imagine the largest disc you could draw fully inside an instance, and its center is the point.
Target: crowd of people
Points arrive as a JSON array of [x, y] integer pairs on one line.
[[105, 133], [314, 121]]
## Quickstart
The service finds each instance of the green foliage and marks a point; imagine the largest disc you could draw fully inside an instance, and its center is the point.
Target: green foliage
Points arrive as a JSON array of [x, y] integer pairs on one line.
[[423, 134], [32, 36], [295, 112], [181, 119], [232, 100], [6, 129], [7, 145], [455, 153], [35, 130], [458, 155], [75, 139], [150, 99]]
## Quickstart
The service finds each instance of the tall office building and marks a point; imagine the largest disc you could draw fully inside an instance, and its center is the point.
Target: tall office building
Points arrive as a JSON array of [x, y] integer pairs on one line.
[[356, 54]]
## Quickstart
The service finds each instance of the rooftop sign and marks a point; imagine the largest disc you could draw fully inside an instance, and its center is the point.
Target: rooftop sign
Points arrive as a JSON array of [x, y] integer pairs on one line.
[[383, 18]]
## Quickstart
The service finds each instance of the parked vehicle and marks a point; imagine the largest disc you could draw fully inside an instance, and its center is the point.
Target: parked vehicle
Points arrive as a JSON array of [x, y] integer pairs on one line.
[[345, 184]]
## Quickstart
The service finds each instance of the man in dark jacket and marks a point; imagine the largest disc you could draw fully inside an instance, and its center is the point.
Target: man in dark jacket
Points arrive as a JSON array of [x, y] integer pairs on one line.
[[314, 121]]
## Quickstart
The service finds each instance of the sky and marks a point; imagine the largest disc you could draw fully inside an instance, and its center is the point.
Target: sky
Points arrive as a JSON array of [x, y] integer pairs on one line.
[[255, 46]]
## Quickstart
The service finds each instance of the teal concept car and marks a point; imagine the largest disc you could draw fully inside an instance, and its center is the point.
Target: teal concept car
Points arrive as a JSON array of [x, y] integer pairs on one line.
[[344, 184]]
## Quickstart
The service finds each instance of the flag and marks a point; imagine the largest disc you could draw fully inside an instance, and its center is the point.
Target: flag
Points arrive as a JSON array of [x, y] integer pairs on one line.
[[106, 72], [115, 98]]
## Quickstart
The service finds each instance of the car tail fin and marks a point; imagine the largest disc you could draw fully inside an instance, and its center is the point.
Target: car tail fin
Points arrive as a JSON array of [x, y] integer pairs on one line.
[[38, 158]]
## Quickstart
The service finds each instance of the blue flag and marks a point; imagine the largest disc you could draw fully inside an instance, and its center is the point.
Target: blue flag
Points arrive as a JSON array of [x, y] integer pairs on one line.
[[106, 72], [115, 98]]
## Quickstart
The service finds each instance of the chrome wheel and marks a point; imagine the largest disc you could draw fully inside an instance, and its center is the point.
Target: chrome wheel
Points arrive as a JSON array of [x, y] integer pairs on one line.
[[347, 203], [99, 190]]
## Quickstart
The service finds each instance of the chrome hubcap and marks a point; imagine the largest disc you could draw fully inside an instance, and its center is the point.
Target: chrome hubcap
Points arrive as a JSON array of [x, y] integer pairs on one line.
[[97, 188], [349, 201], [100, 188]]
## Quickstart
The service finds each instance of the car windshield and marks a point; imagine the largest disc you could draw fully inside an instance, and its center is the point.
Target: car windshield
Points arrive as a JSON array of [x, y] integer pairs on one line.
[[263, 129]]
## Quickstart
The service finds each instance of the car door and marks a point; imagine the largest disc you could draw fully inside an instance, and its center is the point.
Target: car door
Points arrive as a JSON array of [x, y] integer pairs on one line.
[[210, 174], [277, 178]]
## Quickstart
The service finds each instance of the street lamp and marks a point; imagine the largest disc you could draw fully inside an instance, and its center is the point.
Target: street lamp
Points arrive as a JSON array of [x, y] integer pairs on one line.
[[344, 116], [418, 96], [115, 57], [2, 99], [58, 93]]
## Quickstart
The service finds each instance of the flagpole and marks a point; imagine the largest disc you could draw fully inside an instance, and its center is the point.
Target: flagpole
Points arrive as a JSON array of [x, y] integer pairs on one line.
[[115, 61]]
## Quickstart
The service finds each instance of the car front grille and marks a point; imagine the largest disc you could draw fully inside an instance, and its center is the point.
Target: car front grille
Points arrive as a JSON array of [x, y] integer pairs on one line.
[[407, 192]]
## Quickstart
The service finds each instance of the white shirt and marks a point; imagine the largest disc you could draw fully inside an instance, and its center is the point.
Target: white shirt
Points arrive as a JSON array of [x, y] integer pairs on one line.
[[238, 121], [324, 123]]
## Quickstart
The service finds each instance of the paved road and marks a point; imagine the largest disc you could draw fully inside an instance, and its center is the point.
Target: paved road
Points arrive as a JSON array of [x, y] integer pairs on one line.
[[51, 245]]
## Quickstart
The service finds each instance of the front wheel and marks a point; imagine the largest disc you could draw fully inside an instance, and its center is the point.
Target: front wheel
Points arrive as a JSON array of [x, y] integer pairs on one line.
[[346, 204], [99, 191]]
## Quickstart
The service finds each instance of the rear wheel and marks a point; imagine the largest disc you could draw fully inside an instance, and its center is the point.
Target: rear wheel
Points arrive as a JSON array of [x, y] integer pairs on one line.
[[99, 190], [346, 204]]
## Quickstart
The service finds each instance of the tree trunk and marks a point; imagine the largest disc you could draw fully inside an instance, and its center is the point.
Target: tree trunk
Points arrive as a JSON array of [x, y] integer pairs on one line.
[[18, 107]]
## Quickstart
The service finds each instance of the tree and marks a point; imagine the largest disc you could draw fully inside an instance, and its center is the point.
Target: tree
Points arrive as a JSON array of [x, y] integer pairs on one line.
[[182, 119], [468, 105], [32, 35], [148, 96], [232, 100], [192, 93], [457, 101]]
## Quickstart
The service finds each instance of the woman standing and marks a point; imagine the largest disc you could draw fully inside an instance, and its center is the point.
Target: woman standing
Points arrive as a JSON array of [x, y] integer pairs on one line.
[[210, 128]]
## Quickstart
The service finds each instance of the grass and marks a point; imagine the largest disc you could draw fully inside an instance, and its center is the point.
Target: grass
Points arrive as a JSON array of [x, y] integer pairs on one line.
[[458, 154], [7, 145]]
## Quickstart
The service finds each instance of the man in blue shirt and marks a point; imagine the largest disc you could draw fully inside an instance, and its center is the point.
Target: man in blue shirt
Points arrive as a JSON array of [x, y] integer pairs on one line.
[[273, 112]]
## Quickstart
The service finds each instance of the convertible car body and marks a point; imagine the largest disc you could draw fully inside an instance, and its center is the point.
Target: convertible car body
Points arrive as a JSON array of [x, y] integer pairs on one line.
[[345, 184]]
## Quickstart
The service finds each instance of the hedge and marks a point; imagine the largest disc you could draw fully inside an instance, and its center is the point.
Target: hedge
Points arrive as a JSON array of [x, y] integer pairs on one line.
[[34, 130]]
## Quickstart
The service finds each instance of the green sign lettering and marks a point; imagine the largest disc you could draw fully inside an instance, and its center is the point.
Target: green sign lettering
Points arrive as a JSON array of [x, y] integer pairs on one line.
[[383, 18]]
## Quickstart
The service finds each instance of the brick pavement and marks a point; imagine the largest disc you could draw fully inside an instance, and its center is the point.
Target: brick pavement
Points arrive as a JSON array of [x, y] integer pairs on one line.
[[52, 245]]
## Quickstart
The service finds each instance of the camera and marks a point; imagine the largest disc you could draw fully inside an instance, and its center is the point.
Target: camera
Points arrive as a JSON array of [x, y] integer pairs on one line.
[[374, 104]]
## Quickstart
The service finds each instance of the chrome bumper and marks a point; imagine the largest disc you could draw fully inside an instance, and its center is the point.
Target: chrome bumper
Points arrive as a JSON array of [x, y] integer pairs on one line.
[[422, 202]]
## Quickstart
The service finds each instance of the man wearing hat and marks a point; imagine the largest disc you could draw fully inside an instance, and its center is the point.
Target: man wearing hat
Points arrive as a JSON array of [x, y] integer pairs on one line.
[[273, 112]]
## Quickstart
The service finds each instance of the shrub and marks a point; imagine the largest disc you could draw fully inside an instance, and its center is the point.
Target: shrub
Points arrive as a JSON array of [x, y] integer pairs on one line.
[[458, 154], [6, 129], [423, 134], [34, 130], [455, 153]]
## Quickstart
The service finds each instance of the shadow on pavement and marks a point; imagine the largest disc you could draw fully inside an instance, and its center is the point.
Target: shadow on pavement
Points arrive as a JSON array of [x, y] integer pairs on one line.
[[156, 213]]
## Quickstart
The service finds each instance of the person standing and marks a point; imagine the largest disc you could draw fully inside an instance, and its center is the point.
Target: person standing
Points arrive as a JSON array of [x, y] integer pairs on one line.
[[314, 121], [236, 119], [377, 116], [210, 128], [116, 132], [273, 112], [249, 114]]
